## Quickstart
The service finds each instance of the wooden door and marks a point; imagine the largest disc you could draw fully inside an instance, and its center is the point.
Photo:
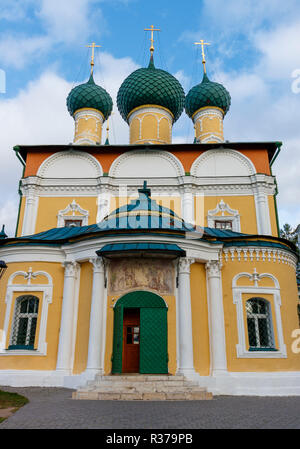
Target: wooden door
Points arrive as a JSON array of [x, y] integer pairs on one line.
[[131, 341]]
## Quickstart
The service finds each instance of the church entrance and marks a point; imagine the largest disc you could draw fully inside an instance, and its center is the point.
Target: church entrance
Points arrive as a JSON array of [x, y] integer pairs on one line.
[[131, 341], [140, 334]]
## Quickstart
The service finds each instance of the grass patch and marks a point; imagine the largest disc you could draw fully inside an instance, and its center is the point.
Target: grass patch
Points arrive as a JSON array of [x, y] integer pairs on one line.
[[12, 401]]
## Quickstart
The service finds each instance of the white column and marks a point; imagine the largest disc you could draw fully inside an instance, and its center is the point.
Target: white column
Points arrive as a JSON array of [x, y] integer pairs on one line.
[[30, 212], [263, 213], [65, 345], [188, 206], [216, 318], [95, 352], [184, 317]]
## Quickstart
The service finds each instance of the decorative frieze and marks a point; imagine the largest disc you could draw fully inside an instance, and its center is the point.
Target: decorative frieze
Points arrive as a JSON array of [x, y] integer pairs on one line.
[[259, 254]]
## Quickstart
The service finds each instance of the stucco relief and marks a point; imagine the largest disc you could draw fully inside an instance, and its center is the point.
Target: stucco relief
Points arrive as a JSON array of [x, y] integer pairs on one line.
[[127, 274]]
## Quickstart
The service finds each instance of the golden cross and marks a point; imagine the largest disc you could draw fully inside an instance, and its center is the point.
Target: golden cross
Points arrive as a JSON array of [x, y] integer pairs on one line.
[[202, 43], [93, 46], [152, 29]]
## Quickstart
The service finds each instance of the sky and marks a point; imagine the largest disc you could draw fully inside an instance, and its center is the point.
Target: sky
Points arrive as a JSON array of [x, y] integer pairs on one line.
[[254, 52]]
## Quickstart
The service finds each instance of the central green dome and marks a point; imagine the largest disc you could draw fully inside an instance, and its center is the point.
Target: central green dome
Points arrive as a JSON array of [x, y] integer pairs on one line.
[[90, 95], [150, 86], [205, 94]]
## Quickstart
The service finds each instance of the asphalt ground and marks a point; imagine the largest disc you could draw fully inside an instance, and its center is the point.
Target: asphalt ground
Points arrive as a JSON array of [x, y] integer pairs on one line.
[[54, 408]]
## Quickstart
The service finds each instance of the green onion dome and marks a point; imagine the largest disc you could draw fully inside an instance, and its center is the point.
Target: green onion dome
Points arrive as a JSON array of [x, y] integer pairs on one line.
[[206, 94], [150, 86], [90, 95]]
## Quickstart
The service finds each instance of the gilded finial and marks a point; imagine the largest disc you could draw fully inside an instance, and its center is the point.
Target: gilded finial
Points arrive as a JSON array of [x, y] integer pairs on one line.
[[93, 46], [202, 43], [151, 29]]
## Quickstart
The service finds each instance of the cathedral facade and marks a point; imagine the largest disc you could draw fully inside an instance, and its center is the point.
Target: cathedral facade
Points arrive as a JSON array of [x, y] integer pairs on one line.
[[150, 258]]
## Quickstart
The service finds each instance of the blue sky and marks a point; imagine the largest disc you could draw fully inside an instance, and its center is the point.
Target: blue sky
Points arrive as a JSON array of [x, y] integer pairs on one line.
[[254, 52]]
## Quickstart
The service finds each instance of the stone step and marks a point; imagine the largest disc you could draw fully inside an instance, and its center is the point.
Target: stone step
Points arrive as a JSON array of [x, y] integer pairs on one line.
[[134, 396], [141, 389], [140, 378]]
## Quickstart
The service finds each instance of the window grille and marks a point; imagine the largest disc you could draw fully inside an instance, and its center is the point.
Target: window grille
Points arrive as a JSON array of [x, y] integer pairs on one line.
[[25, 321], [220, 224], [259, 323]]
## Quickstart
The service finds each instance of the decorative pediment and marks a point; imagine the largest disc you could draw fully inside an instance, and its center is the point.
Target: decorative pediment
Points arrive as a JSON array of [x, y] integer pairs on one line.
[[73, 210]]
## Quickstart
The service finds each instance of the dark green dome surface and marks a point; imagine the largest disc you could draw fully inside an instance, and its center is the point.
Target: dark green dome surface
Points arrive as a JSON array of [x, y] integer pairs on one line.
[[205, 94], [90, 95], [150, 86]]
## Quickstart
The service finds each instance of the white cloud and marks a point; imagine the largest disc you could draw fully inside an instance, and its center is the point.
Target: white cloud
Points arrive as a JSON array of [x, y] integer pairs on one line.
[[38, 115]]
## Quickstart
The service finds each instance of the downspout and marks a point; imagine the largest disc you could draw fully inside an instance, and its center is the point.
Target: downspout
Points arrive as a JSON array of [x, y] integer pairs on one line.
[[278, 145], [16, 149]]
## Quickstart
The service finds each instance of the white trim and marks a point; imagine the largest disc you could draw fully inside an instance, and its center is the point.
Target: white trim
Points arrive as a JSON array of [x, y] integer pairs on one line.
[[173, 160], [233, 216], [246, 162], [72, 207], [258, 291], [70, 154], [47, 290]]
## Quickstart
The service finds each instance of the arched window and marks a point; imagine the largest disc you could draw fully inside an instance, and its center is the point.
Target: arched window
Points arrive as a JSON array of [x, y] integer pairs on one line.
[[24, 323], [259, 321]]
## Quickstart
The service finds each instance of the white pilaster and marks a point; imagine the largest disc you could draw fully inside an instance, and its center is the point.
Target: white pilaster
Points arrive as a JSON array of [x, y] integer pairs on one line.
[[188, 206], [184, 317], [263, 213], [30, 212], [66, 334], [95, 350], [216, 318]]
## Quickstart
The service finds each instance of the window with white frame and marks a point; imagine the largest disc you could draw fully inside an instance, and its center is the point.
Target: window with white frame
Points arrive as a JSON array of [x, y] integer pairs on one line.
[[259, 323], [223, 217], [24, 322]]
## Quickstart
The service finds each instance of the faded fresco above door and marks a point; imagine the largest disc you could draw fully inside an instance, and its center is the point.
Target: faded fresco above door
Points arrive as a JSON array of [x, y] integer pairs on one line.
[[153, 274]]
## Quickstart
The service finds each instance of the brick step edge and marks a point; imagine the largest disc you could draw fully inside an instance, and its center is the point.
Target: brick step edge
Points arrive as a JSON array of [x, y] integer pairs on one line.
[[90, 395]]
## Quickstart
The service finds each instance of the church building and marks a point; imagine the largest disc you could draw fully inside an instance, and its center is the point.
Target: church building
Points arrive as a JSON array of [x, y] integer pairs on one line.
[[151, 258]]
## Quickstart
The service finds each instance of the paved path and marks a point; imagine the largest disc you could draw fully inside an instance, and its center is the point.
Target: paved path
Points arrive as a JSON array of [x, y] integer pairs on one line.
[[53, 408]]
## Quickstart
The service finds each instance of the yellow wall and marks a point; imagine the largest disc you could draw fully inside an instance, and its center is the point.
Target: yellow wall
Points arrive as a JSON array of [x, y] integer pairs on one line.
[[49, 208], [152, 127], [53, 322], [21, 217], [285, 274], [244, 204], [83, 321], [200, 319], [272, 210]]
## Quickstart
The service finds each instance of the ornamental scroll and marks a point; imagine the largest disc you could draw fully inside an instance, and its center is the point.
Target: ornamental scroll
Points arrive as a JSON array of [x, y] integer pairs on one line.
[[153, 274]]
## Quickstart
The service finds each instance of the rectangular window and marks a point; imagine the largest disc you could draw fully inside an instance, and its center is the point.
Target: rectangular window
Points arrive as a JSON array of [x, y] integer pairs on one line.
[[72, 223], [220, 224]]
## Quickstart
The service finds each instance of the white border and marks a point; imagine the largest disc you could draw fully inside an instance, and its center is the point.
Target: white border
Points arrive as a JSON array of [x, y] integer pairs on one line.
[[47, 290], [255, 290]]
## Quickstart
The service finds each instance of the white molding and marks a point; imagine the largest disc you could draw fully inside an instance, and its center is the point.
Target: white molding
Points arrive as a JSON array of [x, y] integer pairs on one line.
[[27, 287], [72, 207], [263, 254], [66, 158], [219, 153], [146, 154], [222, 207], [257, 291]]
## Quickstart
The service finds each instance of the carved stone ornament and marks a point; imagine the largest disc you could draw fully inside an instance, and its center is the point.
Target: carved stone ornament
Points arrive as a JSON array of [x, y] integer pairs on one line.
[[213, 268]]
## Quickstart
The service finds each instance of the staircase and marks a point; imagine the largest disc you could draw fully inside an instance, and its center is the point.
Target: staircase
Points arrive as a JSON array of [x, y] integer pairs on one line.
[[142, 387]]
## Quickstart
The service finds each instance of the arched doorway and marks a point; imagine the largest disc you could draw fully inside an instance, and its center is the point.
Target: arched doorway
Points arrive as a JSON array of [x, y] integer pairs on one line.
[[140, 341]]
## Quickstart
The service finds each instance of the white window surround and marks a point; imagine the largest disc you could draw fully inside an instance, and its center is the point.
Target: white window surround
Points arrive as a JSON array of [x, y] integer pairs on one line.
[[74, 208], [222, 207], [27, 288], [257, 291]]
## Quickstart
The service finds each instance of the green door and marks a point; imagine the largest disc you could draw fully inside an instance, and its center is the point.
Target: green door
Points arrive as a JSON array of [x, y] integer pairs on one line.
[[153, 332], [118, 340], [153, 341]]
